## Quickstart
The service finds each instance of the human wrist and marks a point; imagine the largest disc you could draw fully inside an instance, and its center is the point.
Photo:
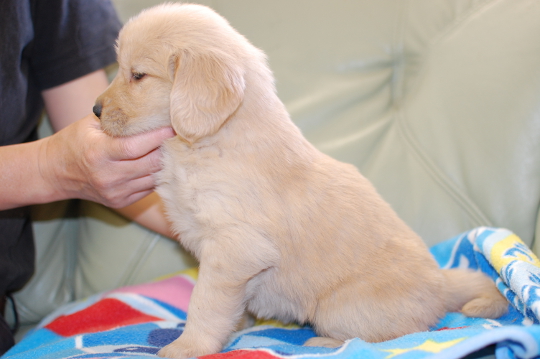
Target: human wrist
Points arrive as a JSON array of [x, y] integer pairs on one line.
[[51, 173]]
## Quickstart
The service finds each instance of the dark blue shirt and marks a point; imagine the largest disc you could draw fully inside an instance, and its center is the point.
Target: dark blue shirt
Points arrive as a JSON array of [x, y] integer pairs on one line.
[[43, 44]]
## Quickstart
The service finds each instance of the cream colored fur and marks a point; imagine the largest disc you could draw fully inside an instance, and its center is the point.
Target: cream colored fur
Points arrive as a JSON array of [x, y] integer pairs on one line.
[[280, 229]]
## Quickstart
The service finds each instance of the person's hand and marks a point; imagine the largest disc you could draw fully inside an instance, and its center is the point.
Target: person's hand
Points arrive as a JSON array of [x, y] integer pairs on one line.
[[83, 162]]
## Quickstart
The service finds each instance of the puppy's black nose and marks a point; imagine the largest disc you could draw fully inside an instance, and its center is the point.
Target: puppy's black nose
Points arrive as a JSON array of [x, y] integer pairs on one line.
[[97, 110]]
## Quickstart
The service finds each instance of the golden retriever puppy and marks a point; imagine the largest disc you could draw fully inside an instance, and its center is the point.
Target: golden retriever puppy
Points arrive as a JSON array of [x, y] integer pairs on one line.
[[279, 228]]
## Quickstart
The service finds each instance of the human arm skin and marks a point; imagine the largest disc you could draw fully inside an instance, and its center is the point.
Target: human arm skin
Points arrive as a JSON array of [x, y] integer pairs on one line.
[[149, 213], [80, 161]]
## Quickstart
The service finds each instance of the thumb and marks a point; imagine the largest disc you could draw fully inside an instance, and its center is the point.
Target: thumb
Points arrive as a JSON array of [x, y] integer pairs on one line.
[[128, 148]]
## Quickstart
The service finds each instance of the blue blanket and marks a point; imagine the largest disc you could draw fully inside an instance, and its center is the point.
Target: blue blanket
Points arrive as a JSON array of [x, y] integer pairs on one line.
[[134, 322]]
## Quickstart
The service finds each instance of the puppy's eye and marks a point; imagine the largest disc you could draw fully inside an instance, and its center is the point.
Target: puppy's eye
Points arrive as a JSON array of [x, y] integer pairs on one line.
[[137, 75]]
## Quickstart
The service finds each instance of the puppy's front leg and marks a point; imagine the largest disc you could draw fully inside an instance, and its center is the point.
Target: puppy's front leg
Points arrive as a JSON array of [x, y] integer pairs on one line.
[[216, 305]]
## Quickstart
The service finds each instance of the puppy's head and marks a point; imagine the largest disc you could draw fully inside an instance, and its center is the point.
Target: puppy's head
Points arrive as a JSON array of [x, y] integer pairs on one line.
[[179, 65]]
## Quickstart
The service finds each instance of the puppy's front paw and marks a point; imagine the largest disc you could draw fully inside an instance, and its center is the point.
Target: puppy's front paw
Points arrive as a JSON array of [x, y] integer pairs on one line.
[[183, 349], [174, 351]]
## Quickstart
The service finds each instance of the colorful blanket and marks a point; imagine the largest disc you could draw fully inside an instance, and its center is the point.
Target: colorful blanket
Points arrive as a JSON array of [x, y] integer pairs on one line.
[[134, 322]]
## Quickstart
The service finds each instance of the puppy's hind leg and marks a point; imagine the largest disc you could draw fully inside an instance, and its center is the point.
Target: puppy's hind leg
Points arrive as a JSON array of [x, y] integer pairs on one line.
[[474, 294]]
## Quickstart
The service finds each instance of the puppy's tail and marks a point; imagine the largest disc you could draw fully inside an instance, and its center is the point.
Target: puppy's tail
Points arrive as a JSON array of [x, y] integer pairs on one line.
[[473, 293]]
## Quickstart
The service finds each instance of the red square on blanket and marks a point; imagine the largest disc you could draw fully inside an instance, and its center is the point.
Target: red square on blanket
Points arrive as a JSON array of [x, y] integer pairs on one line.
[[103, 315]]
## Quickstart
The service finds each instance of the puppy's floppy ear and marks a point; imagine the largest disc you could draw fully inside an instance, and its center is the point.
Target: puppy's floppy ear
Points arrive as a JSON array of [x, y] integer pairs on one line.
[[207, 89]]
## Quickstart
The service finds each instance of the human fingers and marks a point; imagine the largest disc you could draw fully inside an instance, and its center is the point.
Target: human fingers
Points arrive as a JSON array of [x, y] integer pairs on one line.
[[116, 181], [147, 164], [133, 147], [128, 170], [124, 195]]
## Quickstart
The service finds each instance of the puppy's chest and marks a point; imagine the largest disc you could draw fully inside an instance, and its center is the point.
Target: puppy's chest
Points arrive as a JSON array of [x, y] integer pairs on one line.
[[187, 171], [196, 184]]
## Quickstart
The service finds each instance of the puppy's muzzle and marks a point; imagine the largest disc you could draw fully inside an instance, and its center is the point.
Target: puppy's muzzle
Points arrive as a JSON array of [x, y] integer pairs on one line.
[[97, 109]]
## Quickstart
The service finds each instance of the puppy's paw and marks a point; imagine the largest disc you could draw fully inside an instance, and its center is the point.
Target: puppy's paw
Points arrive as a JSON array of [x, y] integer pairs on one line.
[[182, 349], [485, 307], [175, 351], [172, 351], [323, 342]]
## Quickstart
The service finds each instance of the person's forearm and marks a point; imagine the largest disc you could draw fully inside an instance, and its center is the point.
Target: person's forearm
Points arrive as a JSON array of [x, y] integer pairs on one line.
[[149, 213], [72, 101], [21, 181]]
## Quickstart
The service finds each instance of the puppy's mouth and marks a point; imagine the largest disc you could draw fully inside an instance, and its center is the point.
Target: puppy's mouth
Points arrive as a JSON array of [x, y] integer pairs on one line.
[[115, 123]]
